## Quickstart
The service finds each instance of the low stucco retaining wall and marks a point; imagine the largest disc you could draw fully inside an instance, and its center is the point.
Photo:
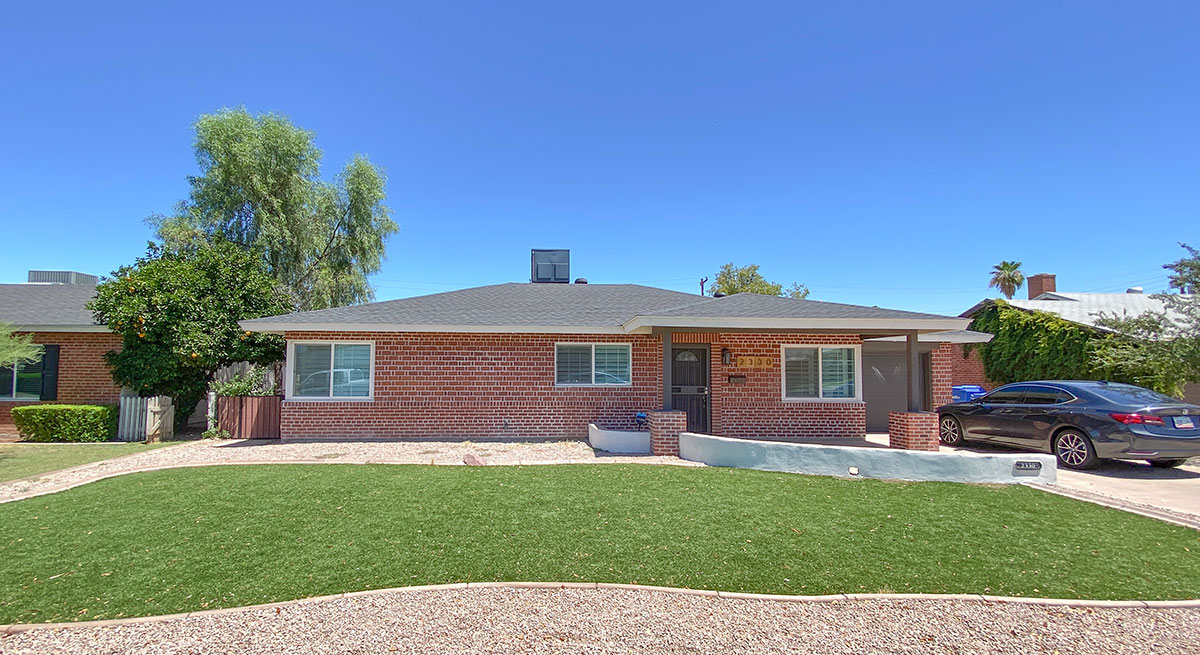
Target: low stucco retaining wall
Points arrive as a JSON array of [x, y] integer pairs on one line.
[[851, 461], [619, 441]]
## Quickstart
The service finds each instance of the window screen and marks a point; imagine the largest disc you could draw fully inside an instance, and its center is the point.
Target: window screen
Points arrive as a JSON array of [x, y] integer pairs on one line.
[[837, 373], [592, 364], [800, 373], [351, 370], [22, 382], [310, 370], [612, 364], [573, 365]]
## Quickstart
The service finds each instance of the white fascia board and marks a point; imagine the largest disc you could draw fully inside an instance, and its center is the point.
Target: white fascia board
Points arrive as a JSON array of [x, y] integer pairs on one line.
[[850, 324], [61, 328], [281, 327]]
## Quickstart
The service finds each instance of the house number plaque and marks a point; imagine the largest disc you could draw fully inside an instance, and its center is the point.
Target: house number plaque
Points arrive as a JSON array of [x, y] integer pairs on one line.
[[746, 361]]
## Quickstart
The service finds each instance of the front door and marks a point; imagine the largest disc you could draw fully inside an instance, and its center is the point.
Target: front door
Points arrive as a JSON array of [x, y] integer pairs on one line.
[[689, 385]]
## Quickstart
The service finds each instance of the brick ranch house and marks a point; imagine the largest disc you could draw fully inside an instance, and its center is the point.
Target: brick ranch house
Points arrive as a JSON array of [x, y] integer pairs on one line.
[[71, 369], [544, 360]]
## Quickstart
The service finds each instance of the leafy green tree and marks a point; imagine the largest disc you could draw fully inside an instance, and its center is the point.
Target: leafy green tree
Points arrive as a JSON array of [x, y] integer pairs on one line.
[[16, 348], [260, 187], [1007, 277], [177, 313], [746, 279], [1160, 350]]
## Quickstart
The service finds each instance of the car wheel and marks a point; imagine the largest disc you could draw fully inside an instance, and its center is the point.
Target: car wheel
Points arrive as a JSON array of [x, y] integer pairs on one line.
[[950, 431], [1166, 463], [1074, 450]]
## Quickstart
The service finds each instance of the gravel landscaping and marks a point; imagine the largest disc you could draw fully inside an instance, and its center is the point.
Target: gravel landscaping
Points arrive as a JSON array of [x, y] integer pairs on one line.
[[497, 620], [325, 451]]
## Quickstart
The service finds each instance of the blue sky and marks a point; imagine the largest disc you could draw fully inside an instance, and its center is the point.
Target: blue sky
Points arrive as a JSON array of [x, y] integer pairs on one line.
[[882, 153]]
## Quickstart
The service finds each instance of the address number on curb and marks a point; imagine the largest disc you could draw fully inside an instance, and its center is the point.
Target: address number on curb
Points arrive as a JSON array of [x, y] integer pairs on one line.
[[1028, 466]]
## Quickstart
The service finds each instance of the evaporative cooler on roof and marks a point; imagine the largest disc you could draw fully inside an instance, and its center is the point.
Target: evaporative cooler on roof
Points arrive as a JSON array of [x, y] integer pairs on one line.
[[550, 266]]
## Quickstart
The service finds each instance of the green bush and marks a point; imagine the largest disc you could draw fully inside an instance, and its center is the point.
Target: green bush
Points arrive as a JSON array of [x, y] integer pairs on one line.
[[66, 422], [250, 383]]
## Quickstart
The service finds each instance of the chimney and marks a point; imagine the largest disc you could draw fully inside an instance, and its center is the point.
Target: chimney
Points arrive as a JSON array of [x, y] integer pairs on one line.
[[1040, 283]]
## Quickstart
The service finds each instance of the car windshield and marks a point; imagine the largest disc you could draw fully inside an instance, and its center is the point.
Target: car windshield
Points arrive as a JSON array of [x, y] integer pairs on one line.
[[1127, 393]]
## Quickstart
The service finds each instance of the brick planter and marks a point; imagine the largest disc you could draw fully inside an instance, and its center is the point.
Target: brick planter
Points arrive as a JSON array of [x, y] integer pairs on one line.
[[913, 430], [665, 426], [249, 417]]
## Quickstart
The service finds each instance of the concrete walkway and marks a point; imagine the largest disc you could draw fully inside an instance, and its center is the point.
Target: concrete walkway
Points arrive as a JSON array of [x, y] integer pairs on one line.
[[324, 451]]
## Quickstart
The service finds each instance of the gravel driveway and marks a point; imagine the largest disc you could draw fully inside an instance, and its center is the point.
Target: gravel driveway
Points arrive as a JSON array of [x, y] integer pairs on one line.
[[324, 451], [616, 621]]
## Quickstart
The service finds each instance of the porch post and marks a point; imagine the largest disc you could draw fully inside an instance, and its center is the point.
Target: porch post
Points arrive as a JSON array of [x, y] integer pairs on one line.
[[666, 364], [912, 365]]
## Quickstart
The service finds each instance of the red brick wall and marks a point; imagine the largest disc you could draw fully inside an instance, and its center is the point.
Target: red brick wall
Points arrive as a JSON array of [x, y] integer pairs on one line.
[[913, 430], [83, 377], [941, 374], [756, 409], [967, 368], [665, 428], [477, 385]]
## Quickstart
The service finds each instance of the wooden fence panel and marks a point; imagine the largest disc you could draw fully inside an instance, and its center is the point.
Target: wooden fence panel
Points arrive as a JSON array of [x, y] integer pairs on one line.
[[250, 417]]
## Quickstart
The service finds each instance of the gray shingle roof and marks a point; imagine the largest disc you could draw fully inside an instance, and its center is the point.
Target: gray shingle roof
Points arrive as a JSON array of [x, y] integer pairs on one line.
[[568, 306], [501, 305], [49, 305], [754, 305]]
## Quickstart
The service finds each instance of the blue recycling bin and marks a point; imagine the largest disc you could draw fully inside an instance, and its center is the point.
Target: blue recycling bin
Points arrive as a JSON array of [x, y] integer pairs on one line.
[[966, 392]]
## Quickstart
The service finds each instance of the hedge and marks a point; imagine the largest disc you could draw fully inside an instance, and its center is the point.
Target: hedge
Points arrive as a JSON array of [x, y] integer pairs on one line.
[[66, 422]]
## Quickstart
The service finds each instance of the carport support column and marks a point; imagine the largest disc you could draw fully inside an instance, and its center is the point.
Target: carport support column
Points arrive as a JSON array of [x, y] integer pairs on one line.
[[665, 426], [666, 366], [912, 367]]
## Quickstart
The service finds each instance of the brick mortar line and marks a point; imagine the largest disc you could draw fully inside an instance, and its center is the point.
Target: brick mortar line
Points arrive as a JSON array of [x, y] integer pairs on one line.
[[709, 593], [166, 467]]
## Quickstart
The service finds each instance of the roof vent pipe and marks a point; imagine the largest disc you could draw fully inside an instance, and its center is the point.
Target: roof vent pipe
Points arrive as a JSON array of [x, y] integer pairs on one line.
[[581, 280], [1134, 290]]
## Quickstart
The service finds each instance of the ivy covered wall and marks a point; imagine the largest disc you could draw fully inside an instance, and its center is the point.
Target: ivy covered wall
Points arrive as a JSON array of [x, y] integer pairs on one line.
[[1036, 346]]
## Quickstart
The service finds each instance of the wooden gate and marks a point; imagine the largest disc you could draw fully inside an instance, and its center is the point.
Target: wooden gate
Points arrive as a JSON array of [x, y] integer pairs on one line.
[[249, 417]]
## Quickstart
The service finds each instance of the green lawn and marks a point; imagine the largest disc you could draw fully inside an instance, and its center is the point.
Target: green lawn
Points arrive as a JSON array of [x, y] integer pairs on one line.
[[191, 539], [21, 460]]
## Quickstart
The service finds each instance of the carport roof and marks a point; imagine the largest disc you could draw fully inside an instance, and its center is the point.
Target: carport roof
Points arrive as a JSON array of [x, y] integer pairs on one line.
[[597, 308]]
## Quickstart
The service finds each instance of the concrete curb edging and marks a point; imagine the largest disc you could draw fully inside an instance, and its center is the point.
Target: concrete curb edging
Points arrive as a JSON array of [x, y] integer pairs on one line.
[[709, 593]]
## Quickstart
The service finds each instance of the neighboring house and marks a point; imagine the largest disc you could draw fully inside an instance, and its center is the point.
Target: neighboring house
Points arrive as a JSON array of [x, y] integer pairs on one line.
[[52, 307], [1081, 308], [545, 359]]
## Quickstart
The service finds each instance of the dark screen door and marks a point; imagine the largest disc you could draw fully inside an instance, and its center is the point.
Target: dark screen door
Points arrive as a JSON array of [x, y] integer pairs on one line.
[[689, 385]]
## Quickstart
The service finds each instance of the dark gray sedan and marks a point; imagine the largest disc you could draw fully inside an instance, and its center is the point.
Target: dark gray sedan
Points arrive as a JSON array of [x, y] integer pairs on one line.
[[1079, 422]]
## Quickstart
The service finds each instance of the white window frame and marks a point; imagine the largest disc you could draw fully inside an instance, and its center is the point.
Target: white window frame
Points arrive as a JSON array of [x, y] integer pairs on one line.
[[288, 377], [11, 395], [593, 383], [858, 373]]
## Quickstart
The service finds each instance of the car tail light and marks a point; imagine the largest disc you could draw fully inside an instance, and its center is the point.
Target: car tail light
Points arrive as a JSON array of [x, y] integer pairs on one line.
[[1135, 418]]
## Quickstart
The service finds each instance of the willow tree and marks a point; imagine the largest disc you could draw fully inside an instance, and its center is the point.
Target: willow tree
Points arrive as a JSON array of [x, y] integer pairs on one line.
[[260, 186]]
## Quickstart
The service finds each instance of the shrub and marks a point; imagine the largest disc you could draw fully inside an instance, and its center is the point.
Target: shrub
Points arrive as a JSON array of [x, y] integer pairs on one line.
[[250, 383], [66, 422], [216, 433]]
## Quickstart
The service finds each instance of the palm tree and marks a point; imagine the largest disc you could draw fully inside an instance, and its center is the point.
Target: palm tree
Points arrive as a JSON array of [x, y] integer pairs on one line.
[[1007, 277]]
